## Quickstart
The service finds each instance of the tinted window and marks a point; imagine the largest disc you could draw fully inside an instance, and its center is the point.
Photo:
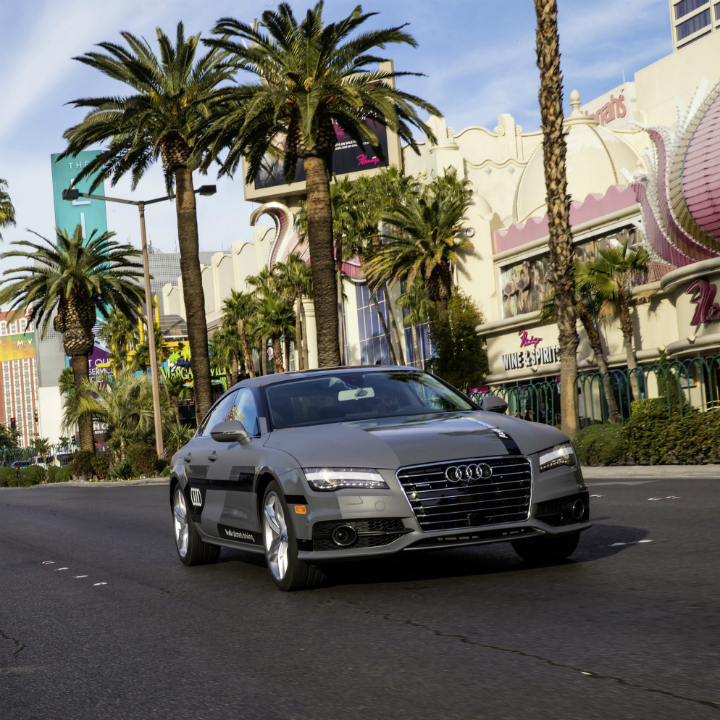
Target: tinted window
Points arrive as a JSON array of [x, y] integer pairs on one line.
[[245, 411], [222, 411], [359, 395]]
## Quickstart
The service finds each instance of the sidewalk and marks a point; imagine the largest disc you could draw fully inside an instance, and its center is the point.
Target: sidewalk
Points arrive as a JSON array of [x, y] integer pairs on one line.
[[651, 472], [85, 483]]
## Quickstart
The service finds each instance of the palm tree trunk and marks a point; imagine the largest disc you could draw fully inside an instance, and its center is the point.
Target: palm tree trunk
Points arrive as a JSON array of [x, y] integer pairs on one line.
[[286, 348], [299, 332], [277, 354], [596, 345], [80, 368], [263, 354], [245, 347], [320, 240], [396, 334], [385, 329], [170, 402], [193, 294], [416, 347], [558, 202], [341, 318], [305, 349], [627, 332], [234, 369]]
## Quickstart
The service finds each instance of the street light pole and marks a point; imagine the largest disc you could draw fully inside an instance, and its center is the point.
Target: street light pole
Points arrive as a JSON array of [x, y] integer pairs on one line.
[[73, 194]]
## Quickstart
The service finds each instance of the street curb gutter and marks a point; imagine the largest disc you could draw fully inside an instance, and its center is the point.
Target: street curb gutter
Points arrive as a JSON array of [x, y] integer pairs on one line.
[[87, 483], [651, 472]]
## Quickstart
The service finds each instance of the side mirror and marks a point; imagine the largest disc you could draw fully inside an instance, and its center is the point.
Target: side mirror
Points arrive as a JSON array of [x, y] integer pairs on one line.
[[230, 431], [492, 403]]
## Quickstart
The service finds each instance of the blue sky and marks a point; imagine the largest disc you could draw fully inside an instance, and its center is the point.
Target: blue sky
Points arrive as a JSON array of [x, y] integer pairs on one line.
[[477, 55]]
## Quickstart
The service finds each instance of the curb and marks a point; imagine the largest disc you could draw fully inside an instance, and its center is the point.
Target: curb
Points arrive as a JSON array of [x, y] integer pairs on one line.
[[651, 472], [87, 483]]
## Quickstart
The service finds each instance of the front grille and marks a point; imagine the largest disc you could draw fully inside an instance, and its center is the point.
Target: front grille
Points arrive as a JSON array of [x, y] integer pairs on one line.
[[371, 533], [441, 504]]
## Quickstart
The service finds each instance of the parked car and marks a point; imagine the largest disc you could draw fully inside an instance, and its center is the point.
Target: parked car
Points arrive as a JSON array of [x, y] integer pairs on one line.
[[20, 464], [314, 467]]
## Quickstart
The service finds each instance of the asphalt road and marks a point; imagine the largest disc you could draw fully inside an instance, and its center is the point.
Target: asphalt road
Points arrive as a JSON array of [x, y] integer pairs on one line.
[[620, 631]]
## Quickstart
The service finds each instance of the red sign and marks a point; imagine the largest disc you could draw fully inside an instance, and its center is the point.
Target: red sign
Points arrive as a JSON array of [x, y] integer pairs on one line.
[[611, 110], [703, 294]]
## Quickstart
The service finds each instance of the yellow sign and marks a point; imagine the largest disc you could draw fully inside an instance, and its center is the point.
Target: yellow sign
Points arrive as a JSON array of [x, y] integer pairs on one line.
[[17, 347]]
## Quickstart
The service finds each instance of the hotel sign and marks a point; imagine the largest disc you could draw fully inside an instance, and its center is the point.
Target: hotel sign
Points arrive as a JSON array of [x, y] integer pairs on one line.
[[533, 357], [707, 311]]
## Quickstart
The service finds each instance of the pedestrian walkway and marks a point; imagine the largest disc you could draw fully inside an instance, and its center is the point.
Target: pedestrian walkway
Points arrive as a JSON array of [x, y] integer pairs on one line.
[[651, 472]]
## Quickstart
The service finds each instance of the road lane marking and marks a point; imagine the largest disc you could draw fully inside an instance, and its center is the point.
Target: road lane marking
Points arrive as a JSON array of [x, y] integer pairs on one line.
[[59, 569], [96, 584], [80, 576]]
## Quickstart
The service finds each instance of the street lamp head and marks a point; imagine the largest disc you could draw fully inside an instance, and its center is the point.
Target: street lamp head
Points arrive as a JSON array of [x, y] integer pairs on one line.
[[207, 190], [71, 194]]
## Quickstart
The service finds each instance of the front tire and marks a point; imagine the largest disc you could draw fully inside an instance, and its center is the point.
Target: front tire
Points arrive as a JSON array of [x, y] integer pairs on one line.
[[281, 548], [546, 549], [192, 550]]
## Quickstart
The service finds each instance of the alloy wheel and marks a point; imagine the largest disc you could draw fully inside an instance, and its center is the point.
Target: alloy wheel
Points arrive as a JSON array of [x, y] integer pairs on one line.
[[180, 522], [275, 535]]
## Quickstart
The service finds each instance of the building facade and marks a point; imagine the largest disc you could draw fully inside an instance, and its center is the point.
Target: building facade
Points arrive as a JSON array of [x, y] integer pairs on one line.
[[638, 162], [19, 383], [691, 20]]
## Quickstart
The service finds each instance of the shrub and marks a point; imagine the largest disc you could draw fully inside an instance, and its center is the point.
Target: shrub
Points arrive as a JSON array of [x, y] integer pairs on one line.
[[166, 472], [32, 475], [461, 355], [101, 467], [6, 475], [122, 471], [82, 463], [142, 456], [160, 466], [59, 474], [600, 444]]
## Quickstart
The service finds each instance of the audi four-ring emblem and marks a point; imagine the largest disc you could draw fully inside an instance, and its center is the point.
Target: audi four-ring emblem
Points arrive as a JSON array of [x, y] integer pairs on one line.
[[466, 473]]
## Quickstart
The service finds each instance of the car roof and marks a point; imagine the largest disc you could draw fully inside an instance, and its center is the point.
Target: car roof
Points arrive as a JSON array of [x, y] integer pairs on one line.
[[299, 374]]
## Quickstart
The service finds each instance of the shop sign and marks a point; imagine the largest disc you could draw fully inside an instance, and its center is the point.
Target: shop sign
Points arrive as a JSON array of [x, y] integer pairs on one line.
[[703, 294], [611, 110], [531, 358]]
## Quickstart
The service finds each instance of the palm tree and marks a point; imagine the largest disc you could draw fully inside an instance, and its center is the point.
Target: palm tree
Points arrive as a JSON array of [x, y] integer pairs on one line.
[[588, 306], [177, 434], [73, 279], [276, 320], [238, 308], [294, 281], [415, 301], [611, 276], [558, 204], [171, 96], [7, 211], [227, 351], [141, 355], [176, 390], [312, 77], [428, 240], [120, 332], [264, 283], [124, 404]]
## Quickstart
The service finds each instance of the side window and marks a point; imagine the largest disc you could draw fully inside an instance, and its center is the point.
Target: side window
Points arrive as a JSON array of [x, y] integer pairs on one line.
[[222, 411], [245, 411]]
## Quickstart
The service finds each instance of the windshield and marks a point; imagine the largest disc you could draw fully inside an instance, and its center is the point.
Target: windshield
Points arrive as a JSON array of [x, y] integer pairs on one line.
[[345, 397]]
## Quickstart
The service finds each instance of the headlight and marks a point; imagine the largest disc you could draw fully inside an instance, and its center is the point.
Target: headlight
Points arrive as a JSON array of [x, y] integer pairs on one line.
[[559, 455], [329, 479]]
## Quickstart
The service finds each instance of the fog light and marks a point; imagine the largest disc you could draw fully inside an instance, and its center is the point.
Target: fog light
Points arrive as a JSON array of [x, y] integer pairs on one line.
[[578, 509], [344, 535]]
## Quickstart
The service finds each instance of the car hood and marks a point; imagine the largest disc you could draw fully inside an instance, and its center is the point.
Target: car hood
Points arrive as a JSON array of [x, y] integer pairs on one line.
[[413, 440]]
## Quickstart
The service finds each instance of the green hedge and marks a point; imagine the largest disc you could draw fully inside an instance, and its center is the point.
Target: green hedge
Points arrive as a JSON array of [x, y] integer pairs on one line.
[[651, 438]]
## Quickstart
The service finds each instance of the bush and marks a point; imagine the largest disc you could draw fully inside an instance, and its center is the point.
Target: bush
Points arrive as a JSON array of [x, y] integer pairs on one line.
[[166, 472], [600, 444], [82, 463], [6, 475], [142, 456], [32, 475], [59, 474], [461, 355], [122, 471], [101, 467], [160, 466]]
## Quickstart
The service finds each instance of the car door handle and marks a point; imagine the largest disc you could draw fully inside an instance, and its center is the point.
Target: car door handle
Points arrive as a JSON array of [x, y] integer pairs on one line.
[[188, 458], [212, 456]]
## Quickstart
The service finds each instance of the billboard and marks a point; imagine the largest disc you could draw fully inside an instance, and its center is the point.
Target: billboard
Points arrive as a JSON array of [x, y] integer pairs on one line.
[[89, 214], [347, 158], [17, 347]]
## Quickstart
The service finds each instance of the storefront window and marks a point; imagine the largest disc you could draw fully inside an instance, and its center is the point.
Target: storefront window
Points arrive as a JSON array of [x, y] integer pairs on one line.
[[373, 345], [527, 284]]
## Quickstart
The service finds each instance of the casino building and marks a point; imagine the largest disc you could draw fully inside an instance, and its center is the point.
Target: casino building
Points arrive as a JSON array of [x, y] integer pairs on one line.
[[643, 167]]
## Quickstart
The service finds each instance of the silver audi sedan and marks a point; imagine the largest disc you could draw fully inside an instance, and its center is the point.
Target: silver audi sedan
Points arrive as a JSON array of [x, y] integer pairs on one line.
[[315, 467]]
